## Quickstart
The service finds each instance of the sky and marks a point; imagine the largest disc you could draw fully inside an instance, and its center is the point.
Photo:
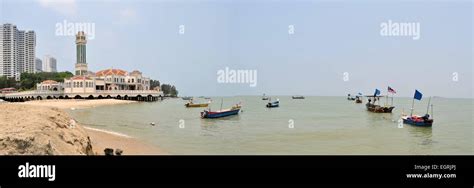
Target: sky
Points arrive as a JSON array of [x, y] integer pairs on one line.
[[335, 47]]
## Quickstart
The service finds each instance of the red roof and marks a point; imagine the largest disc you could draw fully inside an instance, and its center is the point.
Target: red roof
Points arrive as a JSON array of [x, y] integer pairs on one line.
[[108, 72], [81, 78], [49, 82]]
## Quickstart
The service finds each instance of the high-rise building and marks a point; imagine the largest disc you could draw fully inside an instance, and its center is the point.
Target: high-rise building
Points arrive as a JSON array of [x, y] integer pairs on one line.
[[38, 65], [81, 64], [49, 64], [17, 51]]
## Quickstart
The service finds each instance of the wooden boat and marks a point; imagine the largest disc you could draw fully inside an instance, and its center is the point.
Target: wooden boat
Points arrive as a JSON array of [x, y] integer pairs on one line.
[[379, 109], [264, 97], [358, 100], [191, 104], [221, 113], [273, 104], [416, 120], [297, 97], [187, 98]]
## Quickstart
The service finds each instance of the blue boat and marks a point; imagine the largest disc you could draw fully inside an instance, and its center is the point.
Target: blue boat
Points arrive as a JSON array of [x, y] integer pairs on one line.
[[273, 104], [222, 113], [422, 121]]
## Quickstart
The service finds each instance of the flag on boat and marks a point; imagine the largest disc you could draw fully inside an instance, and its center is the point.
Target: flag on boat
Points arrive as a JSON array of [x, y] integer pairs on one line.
[[418, 95], [377, 92], [391, 90], [360, 94]]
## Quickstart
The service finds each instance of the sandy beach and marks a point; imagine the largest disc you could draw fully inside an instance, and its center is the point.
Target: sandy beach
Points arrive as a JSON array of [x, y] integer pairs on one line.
[[75, 103], [43, 128]]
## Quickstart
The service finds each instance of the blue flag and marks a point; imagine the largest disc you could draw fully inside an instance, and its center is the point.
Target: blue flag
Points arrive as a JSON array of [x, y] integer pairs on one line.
[[418, 95], [377, 92]]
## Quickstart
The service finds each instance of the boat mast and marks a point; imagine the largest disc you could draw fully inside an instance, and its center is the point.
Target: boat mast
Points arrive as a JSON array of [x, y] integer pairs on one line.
[[428, 107], [392, 100], [412, 105], [222, 101]]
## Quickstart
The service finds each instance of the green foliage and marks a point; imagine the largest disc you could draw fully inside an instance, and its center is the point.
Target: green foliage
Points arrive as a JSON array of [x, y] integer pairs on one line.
[[29, 80], [154, 83], [7, 82], [169, 90]]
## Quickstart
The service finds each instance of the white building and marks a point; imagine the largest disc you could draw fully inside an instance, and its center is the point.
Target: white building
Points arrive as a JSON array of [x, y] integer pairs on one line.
[[17, 51], [49, 64], [38, 65]]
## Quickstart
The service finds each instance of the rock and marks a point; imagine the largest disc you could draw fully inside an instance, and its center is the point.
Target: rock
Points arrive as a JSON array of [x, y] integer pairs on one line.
[[109, 151], [118, 152]]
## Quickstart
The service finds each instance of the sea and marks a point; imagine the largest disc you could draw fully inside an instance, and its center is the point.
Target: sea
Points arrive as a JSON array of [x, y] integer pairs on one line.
[[312, 126]]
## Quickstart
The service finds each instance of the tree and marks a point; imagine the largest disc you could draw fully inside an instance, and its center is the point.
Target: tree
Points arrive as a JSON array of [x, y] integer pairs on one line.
[[29, 80], [6, 82]]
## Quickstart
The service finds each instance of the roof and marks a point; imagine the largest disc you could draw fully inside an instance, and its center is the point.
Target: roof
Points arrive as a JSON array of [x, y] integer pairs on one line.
[[49, 82], [107, 72], [81, 78]]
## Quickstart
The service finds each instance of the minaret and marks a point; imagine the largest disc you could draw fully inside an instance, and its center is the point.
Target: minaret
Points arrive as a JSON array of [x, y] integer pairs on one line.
[[81, 64]]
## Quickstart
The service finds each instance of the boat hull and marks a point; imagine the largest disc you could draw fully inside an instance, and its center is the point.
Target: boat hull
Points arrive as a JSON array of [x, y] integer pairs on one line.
[[378, 108], [208, 114], [196, 105], [272, 105], [427, 123], [297, 97]]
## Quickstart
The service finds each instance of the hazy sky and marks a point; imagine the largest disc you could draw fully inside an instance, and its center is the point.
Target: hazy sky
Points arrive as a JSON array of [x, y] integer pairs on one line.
[[330, 38]]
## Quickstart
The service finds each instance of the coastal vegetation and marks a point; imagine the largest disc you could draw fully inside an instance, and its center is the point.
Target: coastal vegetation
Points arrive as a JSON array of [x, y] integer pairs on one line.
[[168, 89], [29, 80]]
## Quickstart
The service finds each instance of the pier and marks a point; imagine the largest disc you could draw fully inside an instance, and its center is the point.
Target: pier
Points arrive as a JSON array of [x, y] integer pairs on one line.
[[136, 95]]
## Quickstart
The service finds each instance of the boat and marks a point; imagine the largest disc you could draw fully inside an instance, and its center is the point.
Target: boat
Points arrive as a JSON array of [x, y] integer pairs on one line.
[[191, 104], [297, 97], [372, 107], [350, 98], [273, 104], [378, 109], [416, 120], [264, 97], [187, 98], [221, 113], [358, 99]]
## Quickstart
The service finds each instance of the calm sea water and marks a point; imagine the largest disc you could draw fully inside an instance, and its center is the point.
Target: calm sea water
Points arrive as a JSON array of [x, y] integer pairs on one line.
[[321, 125]]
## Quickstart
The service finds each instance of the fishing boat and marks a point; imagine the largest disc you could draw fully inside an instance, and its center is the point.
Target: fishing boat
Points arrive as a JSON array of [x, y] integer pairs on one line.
[[377, 108], [187, 98], [416, 120], [221, 113], [273, 104], [264, 97], [358, 99], [350, 98], [191, 104], [297, 97]]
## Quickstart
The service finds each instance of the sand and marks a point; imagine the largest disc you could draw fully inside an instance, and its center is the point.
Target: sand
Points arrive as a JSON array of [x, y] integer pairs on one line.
[[102, 139], [43, 128], [75, 103], [28, 130]]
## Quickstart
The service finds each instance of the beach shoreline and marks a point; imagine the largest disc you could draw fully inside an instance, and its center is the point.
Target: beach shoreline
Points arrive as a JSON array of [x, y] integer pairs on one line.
[[46, 128], [75, 103]]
